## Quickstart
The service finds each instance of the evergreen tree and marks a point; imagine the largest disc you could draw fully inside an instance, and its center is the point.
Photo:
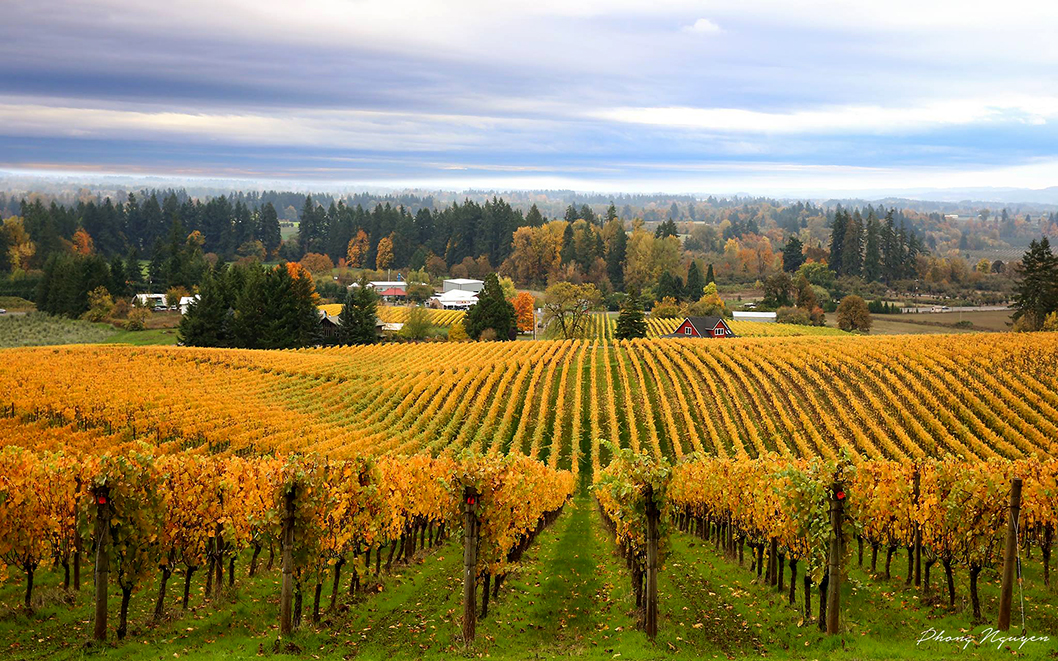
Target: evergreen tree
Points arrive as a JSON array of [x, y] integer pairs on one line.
[[571, 214], [251, 309], [156, 268], [492, 310], [891, 257], [1037, 290], [695, 282], [534, 218], [611, 212], [670, 286], [569, 250], [133, 272], [674, 212], [837, 241], [311, 227], [207, 322], [667, 228], [119, 286], [268, 228], [793, 254], [852, 250], [630, 322], [291, 317], [358, 316], [5, 247], [709, 275], [872, 255], [616, 249]]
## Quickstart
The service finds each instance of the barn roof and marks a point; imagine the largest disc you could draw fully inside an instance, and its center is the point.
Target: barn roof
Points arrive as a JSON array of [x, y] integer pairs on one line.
[[704, 325]]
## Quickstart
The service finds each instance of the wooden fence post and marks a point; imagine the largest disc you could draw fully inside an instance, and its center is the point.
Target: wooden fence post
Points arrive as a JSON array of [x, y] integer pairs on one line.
[[918, 530], [653, 516], [837, 507], [285, 614], [1010, 556], [470, 561], [102, 565]]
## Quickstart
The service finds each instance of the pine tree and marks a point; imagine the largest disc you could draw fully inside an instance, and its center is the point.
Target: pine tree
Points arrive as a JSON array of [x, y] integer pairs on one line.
[[268, 228], [611, 212], [630, 322], [891, 258], [872, 256], [792, 254], [709, 275], [616, 248], [207, 322], [837, 241], [534, 218], [133, 271], [695, 282], [1037, 290], [852, 250], [251, 309], [358, 317], [492, 310]]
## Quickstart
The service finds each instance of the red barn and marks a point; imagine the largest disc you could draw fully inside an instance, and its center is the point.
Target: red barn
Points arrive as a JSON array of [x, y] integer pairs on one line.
[[703, 327]]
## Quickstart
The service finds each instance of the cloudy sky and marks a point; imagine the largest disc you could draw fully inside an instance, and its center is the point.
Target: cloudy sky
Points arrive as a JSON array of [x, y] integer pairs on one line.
[[661, 95]]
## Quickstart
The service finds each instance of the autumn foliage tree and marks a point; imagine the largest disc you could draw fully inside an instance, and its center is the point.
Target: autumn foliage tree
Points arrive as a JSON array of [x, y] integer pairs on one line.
[[853, 314], [316, 263], [357, 248], [524, 303], [384, 253]]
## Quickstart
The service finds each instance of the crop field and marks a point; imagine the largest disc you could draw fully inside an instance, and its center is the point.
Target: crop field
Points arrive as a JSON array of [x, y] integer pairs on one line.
[[756, 428], [899, 397]]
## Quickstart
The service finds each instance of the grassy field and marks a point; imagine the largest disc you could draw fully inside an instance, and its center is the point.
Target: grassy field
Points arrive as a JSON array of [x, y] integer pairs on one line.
[[569, 598], [16, 304], [38, 329]]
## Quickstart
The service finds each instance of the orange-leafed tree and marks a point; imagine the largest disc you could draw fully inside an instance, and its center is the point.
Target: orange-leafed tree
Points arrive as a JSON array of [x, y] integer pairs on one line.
[[317, 263], [358, 246], [82, 242], [384, 254], [523, 310]]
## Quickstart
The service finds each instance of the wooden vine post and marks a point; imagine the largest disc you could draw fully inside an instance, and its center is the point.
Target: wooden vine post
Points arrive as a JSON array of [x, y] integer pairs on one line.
[[1010, 556], [837, 510], [653, 518], [470, 561], [918, 529], [102, 564], [285, 597]]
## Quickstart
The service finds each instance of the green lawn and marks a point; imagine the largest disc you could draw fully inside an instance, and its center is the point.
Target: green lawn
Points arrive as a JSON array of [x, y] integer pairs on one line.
[[570, 598], [144, 337]]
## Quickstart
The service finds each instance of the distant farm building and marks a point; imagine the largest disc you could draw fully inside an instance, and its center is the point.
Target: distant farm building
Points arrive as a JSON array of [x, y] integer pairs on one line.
[[150, 300], [329, 324], [766, 317], [703, 327], [463, 284], [456, 299], [186, 301], [387, 290]]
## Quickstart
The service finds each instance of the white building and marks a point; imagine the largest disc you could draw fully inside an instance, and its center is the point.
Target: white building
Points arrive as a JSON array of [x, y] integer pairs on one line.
[[767, 317], [387, 289], [185, 302], [150, 300], [464, 284], [456, 299]]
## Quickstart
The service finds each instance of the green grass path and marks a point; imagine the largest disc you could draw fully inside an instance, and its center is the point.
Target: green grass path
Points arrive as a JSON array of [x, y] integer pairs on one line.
[[569, 597]]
